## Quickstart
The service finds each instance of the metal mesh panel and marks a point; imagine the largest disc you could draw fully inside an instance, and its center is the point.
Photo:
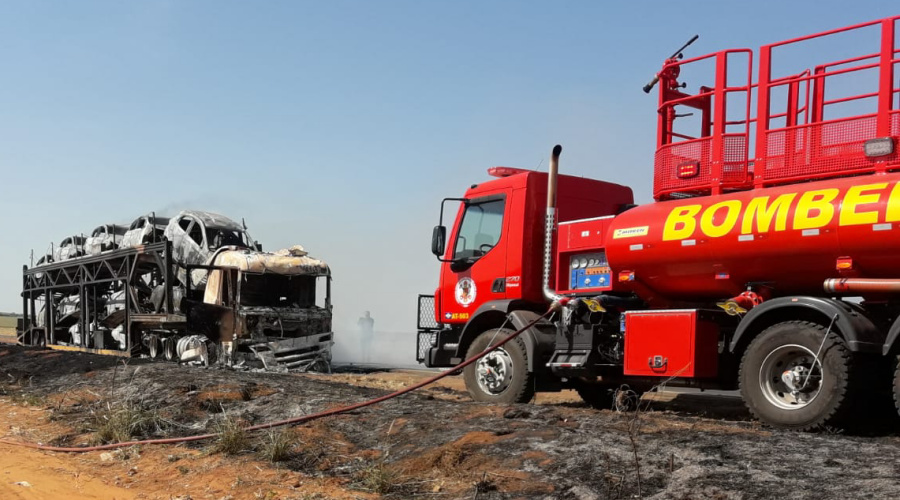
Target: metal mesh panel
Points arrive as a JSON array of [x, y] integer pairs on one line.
[[426, 341], [734, 160], [427, 320], [670, 157], [821, 150]]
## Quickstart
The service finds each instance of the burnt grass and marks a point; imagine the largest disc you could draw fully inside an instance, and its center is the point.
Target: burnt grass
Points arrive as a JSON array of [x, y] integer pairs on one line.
[[420, 445]]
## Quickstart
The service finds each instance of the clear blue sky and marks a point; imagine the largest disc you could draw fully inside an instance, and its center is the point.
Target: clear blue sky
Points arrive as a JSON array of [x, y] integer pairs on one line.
[[338, 125]]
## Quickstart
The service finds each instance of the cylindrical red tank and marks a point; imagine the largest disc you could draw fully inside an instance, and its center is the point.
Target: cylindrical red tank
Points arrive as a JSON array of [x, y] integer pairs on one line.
[[789, 238]]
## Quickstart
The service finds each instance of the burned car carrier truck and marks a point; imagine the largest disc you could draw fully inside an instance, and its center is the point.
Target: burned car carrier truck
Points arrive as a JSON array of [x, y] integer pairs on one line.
[[204, 291]]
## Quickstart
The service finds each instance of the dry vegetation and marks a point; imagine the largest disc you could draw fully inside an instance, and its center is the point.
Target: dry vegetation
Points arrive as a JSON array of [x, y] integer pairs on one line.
[[430, 445]]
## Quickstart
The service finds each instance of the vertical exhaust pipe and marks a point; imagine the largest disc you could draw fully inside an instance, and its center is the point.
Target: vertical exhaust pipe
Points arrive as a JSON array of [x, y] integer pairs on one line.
[[550, 222]]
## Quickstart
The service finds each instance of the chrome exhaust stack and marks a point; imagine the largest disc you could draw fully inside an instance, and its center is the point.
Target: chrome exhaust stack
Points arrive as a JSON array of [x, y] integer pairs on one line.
[[550, 223]]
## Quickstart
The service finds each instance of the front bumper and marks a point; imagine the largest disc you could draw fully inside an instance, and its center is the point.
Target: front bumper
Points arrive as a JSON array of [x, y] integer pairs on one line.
[[310, 352]]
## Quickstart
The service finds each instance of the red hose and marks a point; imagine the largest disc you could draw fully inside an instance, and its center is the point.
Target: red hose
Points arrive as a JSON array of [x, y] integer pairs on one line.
[[295, 420]]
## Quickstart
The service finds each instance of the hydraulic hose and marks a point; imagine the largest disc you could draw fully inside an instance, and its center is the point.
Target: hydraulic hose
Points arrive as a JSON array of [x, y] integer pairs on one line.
[[556, 305]]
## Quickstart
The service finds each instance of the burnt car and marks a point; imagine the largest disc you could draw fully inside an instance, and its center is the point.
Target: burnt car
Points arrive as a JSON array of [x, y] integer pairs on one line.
[[145, 229], [44, 260], [69, 248], [104, 238], [196, 235]]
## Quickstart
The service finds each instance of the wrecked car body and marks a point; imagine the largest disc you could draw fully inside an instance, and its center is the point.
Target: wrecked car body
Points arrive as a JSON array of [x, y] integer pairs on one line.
[[104, 238], [195, 235], [272, 309], [144, 230], [69, 248]]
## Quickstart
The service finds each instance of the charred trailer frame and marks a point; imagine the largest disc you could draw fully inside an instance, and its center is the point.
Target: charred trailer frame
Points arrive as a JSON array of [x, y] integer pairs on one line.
[[90, 282]]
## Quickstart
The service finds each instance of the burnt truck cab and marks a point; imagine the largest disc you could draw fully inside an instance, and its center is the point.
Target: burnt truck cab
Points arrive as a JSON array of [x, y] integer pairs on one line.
[[494, 258], [263, 307]]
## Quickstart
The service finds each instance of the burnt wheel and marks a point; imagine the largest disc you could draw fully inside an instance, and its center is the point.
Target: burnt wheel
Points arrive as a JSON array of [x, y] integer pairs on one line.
[[502, 375], [168, 347], [785, 385], [154, 345]]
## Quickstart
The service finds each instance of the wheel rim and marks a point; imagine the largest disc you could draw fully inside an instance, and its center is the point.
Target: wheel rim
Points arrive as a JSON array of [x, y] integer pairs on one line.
[[169, 349], [494, 371], [154, 346], [790, 378]]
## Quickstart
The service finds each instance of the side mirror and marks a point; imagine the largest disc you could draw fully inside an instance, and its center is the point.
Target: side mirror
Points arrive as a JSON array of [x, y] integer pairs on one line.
[[438, 239], [257, 245]]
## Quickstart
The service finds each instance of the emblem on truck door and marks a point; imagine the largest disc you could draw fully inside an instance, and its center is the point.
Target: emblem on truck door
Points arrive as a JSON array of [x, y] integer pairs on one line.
[[465, 292]]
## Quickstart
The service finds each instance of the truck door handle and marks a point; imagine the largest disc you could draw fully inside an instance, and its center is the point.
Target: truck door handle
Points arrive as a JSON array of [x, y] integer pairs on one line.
[[499, 285], [657, 362]]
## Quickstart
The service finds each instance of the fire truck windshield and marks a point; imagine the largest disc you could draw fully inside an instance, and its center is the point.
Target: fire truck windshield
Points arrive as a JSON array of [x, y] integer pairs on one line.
[[479, 230]]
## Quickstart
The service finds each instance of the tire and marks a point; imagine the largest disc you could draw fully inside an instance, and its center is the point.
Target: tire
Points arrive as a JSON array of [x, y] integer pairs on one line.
[[897, 383], [783, 386], [39, 338], [515, 384], [608, 397]]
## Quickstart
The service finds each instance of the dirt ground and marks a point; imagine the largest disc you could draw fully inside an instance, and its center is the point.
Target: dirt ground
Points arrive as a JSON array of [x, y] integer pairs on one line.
[[432, 444]]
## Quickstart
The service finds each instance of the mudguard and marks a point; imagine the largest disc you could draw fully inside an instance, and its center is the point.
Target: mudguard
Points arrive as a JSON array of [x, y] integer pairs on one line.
[[857, 330], [494, 314]]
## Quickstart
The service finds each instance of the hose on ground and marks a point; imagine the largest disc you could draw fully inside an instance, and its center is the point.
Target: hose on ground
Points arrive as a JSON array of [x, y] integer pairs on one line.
[[296, 420]]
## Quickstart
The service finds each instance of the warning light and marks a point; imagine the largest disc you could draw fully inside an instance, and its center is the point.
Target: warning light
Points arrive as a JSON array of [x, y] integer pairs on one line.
[[626, 276], [882, 146], [844, 263], [687, 169], [505, 171]]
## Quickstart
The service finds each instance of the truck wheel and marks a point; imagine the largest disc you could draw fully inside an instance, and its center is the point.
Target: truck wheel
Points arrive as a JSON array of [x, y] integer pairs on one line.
[[502, 375], [782, 383], [897, 383], [608, 397]]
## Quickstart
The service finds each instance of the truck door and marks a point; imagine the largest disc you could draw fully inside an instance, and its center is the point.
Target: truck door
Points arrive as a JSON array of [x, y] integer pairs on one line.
[[215, 315], [477, 271]]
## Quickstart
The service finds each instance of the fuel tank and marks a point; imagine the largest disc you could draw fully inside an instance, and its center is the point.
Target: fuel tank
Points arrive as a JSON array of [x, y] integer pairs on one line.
[[782, 240]]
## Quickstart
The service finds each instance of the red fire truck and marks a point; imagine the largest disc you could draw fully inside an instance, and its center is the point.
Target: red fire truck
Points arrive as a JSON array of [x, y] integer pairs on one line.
[[765, 263]]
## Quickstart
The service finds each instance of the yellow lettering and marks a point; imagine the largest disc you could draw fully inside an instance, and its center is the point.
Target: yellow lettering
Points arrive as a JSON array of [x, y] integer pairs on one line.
[[708, 220], [893, 205], [814, 209], [855, 197], [681, 222], [759, 209]]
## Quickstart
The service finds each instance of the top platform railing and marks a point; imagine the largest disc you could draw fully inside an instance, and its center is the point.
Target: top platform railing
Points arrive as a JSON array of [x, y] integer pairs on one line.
[[806, 139]]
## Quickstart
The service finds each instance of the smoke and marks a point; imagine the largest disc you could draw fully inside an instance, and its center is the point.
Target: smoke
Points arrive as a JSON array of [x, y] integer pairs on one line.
[[381, 347]]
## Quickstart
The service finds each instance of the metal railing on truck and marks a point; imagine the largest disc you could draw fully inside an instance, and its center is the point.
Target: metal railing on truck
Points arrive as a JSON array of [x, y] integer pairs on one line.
[[799, 132]]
